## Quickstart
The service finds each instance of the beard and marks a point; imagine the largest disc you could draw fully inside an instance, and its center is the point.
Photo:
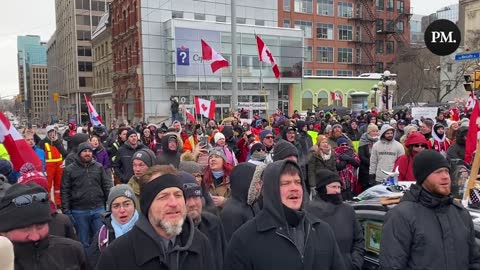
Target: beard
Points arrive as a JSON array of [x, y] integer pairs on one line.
[[171, 228]]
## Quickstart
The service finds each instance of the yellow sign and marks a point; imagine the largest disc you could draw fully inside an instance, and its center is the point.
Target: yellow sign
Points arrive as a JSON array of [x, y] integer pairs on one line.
[[55, 97], [477, 80]]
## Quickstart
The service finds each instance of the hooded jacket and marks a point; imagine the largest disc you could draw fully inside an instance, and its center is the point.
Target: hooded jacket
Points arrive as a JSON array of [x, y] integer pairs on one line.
[[142, 248], [270, 231], [384, 154], [123, 167], [212, 227], [168, 156], [236, 210], [457, 150], [364, 153], [317, 162], [404, 163], [428, 232]]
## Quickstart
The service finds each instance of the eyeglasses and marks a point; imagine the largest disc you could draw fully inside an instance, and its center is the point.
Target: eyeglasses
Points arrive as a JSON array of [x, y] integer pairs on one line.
[[197, 175], [125, 205], [268, 137], [420, 145], [28, 199]]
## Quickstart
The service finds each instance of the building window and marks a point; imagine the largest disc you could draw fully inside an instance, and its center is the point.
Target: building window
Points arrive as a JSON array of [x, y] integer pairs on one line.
[[307, 72], [82, 4], [307, 100], [324, 72], [400, 6], [322, 100], [199, 16], [325, 30], [98, 5], [308, 53], [345, 73], [85, 66], [306, 27], [390, 47], [390, 26], [221, 18], [177, 14], [400, 26], [325, 7], [325, 54], [380, 4], [345, 55], [448, 88], [286, 5], [259, 22], [83, 35], [83, 19], [345, 10], [379, 25], [303, 6], [286, 23], [241, 20], [379, 46], [345, 32], [390, 5], [84, 51], [449, 67], [379, 67]]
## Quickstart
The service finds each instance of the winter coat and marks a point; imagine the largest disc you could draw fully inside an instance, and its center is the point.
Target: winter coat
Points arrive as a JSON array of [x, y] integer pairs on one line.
[[41, 155], [348, 231], [398, 134], [167, 156], [316, 163], [236, 210], [269, 242], [354, 134], [58, 144], [457, 150], [428, 232], [384, 154], [123, 161], [101, 156], [140, 249], [61, 225], [4, 185], [305, 141], [404, 164], [212, 227], [364, 153], [347, 164], [85, 186], [52, 252]]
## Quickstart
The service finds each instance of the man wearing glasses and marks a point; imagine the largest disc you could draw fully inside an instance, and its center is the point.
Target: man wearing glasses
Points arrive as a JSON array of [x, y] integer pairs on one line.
[[415, 143], [24, 215], [267, 139]]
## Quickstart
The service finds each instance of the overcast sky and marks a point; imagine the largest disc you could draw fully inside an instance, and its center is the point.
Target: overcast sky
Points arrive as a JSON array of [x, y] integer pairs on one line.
[[37, 17]]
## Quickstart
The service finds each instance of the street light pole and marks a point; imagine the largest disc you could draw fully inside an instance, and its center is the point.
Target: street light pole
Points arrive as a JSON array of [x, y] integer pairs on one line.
[[233, 19], [387, 81], [375, 89]]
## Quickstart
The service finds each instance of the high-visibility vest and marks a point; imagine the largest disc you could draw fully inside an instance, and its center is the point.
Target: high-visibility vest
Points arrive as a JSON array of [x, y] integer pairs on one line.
[[52, 153]]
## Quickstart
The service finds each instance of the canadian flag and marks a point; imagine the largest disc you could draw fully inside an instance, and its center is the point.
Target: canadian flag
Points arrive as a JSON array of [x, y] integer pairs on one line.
[[208, 53], [336, 96], [95, 119], [473, 133], [18, 149], [205, 107], [266, 56], [190, 116]]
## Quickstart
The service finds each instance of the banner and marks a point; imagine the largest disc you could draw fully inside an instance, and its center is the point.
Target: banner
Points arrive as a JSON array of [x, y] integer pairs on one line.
[[425, 112]]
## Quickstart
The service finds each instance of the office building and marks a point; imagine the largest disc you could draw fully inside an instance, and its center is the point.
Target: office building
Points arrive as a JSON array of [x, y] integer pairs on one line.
[[416, 34], [39, 99], [468, 22], [449, 12]]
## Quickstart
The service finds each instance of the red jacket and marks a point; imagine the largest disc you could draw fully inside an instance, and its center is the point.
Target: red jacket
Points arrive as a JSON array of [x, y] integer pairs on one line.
[[243, 153], [404, 164]]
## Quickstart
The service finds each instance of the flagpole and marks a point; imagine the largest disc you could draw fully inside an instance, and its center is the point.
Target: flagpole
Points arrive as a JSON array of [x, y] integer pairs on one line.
[[233, 23], [205, 77]]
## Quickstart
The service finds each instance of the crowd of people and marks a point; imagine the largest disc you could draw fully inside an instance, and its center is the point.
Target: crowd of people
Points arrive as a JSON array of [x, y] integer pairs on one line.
[[260, 194]]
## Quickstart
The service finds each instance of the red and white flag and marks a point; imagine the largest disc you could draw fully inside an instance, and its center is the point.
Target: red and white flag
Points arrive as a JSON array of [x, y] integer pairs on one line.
[[205, 107], [95, 119], [473, 132], [189, 115], [336, 96], [266, 56], [18, 149], [208, 53]]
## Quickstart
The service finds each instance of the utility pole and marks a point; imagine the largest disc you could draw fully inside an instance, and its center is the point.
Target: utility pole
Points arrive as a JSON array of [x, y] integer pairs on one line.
[[234, 57]]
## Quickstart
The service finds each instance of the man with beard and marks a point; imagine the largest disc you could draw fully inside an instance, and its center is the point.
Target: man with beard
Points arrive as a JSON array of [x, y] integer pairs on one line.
[[335, 134], [428, 229], [384, 154], [85, 188], [123, 162], [163, 237], [293, 238], [24, 215], [171, 146], [208, 223]]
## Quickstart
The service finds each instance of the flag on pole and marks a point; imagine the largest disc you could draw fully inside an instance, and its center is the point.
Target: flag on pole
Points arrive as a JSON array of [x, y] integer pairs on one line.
[[336, 96], [208, 53], [190, 116], [266, 56], [18, 149], [95, 119], [205, 107], [473, 132]]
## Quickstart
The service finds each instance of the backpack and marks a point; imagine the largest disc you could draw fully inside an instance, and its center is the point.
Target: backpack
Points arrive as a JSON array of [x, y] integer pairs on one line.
[[103, 238]]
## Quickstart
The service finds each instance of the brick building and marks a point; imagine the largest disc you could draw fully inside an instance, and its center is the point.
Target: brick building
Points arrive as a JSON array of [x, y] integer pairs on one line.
[[348, 37]]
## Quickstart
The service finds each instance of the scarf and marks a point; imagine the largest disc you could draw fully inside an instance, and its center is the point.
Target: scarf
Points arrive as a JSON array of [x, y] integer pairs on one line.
[[326, 156], [331, 198], [217, 175], [121, 229]]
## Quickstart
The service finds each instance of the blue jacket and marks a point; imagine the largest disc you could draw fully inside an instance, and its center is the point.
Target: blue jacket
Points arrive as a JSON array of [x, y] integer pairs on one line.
[[41, 155]]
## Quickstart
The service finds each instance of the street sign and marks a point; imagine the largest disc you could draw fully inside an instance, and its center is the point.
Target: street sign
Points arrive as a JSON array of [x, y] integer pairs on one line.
[[467, 56]]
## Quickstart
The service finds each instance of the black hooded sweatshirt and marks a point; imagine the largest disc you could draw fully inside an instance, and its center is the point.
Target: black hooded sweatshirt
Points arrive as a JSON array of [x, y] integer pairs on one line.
[[168, 156], [236, 210], [457, 150], [277, 230]]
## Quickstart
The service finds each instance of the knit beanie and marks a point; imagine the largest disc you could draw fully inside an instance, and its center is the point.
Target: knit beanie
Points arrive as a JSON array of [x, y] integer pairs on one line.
[[264, 134], [145, 155], [131, 132], [6, 167], [218, 136], [190, 167], [29, 174], [371, 127], [409, 128], [284, 149], [6, 254], [257, 146], [321, 138], [217, 152], [426, 162], [150, 190], [84, 146], [190, 186], [323, 177], [27, 210], [337, 126], [341, 141], [122, 190]]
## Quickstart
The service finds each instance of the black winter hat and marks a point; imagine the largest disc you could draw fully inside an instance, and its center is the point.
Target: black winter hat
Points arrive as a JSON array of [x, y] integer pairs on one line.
[[131, 132], [147, 156], [324, 177], [150, 190], [426, 162], [284, 149], [84, 146], [190, 186], [27, 210]]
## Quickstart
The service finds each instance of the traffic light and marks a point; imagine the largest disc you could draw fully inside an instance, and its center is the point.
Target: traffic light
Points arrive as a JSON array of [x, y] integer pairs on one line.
[[469, 82], [477, 80]]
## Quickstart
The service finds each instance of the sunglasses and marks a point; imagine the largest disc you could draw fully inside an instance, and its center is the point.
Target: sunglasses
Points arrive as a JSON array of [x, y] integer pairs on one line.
[[28, 199], [420, 145], [268, 137], [344, 144]]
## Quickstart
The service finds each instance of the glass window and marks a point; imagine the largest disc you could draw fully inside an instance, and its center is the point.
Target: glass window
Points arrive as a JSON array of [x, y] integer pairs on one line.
[[345, 32], [345, 73], [286, 23], [241, 20], [379, 46], [345, 55], [390, 26], [221, 18], [307, 72], [286, 5], [379, 67], [307, 100], [390, 5], [390, 47], [95, 20], [380, 4], [400, 6], [308, 53], [85, 66], [83, 35], [449, 67], [306, 27], [304, 6], [325, 7], [259, 22], [199, 16], [400, 26], [83, 19], [322, 100], [345, 9], [379, 25], [324, 72], [98, 5], [177, 14], [84, 51], [325, 54], [82, 4], [325, 31]]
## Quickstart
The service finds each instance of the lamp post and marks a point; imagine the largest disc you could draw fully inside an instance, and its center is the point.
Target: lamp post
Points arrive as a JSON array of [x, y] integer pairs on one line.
[[375, 89], [65, 73], [387, 81]]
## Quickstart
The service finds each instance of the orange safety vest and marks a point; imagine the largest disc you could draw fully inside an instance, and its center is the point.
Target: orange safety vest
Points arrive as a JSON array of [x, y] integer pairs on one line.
[[52, 153]]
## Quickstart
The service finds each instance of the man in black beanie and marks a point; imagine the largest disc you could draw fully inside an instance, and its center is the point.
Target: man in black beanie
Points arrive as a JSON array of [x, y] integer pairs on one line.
[[122, 165], [428, 229], [284, 150], [163, 237], [24, 216]]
